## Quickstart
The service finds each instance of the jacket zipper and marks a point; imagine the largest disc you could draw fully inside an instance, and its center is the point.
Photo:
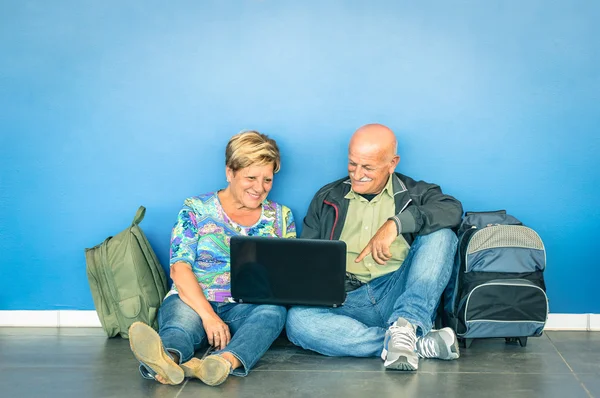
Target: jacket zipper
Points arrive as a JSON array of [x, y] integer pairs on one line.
[[336, 217], [337, 214]]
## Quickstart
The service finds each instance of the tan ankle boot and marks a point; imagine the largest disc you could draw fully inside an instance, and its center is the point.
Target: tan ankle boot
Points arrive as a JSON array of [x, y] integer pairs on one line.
[[212, 370], [147, 348]]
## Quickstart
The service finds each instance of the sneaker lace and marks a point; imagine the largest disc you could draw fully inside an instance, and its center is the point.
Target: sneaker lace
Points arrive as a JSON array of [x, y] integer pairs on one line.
[[426, 348], [404, 337]]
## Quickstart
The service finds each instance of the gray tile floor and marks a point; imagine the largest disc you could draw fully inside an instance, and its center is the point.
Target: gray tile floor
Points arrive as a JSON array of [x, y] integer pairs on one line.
[[83, 363]]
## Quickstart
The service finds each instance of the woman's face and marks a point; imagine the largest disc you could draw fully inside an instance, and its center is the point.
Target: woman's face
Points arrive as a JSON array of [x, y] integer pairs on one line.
[[250, 185]]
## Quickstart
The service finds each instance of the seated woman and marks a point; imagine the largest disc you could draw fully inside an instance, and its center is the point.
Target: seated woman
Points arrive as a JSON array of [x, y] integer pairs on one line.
[[195, 312]]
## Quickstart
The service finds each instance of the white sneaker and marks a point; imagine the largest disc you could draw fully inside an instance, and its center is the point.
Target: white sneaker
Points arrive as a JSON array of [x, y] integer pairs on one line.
[[399, 346], [439, 344]]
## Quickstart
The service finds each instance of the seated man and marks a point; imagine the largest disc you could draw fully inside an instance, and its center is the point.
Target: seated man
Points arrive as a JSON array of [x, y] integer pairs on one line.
[[400, 256]]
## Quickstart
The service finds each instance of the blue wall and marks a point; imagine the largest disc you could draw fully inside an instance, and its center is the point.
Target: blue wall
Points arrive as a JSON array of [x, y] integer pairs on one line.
[[108, 105]]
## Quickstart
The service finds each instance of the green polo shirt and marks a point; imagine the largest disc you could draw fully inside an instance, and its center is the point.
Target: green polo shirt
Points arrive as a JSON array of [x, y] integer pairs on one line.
[[362, 222]]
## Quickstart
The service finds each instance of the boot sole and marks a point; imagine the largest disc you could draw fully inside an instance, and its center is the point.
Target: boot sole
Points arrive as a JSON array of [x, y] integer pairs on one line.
[[207, 370], [211, 366], [147, 348]]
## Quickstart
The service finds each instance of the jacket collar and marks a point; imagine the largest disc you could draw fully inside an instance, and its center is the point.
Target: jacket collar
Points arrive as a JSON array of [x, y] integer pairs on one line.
[[400, 192], [397, 184], [388, 190]]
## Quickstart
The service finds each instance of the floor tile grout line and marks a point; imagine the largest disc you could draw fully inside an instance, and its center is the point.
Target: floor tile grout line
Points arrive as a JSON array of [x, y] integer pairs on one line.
[[182, 387], [208, 351], [570, 368], [559, 354]]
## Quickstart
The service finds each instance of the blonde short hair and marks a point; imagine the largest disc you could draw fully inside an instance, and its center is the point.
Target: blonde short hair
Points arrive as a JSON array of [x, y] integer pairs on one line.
[[251, 148]]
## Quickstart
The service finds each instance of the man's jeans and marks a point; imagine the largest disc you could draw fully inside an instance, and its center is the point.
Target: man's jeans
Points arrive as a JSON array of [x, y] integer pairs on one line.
[[253, 329], [358, 327]]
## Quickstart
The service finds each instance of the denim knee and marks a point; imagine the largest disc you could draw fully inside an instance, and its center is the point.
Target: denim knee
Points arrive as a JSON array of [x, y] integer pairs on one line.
[[296, 326], [293, 316], [180, 327], [276, 314], [442, 237], [175, 313]]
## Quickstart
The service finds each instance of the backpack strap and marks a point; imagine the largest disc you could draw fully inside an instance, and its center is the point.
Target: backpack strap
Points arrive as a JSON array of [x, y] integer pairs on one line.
[[139, 216]]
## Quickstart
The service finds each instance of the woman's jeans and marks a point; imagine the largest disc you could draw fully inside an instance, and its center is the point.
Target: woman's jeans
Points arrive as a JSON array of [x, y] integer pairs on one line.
[[253, 329], [358, 327]]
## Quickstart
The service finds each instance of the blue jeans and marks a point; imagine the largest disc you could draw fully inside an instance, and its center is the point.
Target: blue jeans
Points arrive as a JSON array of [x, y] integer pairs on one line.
[[253, 329], [358, 327]]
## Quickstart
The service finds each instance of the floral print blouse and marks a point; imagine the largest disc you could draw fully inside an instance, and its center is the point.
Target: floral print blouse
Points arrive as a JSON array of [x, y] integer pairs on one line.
[[201, 237]]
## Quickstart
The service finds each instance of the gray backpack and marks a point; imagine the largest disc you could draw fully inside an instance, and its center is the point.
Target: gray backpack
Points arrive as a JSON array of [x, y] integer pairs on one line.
[[497, 288], [127, 282]]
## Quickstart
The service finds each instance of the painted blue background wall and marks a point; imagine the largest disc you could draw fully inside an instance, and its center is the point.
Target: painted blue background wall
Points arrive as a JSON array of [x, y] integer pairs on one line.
[[108, 105]]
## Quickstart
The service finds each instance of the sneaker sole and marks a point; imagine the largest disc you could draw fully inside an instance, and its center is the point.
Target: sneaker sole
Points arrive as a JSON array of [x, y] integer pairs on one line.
[[147, 348], [402, 363]]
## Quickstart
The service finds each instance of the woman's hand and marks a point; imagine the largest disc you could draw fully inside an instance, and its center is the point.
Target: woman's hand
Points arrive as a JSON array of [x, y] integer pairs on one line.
[[217, 331], [191, 293]]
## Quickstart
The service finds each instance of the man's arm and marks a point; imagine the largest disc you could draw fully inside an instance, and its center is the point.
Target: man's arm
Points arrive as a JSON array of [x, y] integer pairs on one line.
[[311, 226], [431, 211], [379, 245]]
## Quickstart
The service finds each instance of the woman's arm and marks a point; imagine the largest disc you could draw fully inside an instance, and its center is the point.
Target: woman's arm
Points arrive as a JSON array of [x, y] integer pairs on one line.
[[184, 245], [191, 293]]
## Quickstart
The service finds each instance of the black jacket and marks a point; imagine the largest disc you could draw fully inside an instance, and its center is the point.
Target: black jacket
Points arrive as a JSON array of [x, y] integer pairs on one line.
[[421, 208]]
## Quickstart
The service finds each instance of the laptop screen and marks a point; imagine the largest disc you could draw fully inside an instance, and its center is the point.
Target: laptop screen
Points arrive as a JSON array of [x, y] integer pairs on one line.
[[288, 271]]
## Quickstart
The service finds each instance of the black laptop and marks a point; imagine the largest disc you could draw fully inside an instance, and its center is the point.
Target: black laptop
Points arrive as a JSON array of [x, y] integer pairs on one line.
[[288, 271]]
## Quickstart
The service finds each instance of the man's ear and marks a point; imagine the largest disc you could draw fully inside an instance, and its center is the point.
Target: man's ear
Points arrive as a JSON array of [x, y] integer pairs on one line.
[[394, 163]]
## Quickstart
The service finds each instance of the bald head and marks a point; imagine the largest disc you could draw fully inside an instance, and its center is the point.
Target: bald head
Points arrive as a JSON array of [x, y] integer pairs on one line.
[[376, 136], [372, 158]]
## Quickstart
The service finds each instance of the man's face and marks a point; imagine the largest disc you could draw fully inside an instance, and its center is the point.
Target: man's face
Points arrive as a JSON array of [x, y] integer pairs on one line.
[[369, 168]]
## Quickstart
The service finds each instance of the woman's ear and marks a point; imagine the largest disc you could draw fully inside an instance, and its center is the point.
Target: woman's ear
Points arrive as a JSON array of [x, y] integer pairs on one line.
[[228, 174]]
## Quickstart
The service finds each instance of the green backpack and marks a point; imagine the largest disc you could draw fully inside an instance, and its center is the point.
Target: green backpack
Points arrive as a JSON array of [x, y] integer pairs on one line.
[[127, 282]]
